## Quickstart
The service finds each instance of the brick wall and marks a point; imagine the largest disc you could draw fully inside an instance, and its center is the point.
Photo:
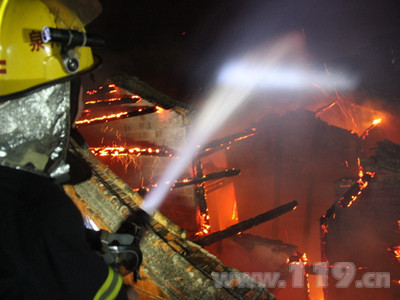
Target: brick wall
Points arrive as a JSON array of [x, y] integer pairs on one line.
[[165, 129]]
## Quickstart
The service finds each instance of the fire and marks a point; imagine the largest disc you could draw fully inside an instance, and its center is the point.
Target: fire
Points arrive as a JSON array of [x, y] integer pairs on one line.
[[112, 117], [325, 108], [103, 118], [226, 142], [159, 109], [396, 252], [301, 258], [345, 201], [132, 98], [362, 183], [375, 123], [92, 92], [245, 136], [111, 86], [235, 212], [123, 151], [204, 224]]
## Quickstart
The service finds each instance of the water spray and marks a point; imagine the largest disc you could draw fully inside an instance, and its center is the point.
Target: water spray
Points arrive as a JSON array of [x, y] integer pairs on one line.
[[225, 98]]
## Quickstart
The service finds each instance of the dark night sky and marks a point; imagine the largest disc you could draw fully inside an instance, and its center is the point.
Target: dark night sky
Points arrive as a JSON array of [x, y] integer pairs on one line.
[[177, 46]]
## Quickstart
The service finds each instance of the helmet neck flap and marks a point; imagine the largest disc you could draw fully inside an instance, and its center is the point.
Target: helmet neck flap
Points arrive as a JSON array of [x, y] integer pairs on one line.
[[34, 131]]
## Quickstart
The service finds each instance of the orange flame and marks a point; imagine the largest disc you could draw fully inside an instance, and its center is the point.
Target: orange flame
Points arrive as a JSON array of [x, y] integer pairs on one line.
[[375, 123], [235, 212], [103, 118], [396, 251], [159, 109], [133, 97], [123, 151], [204, 225], [361, 183]]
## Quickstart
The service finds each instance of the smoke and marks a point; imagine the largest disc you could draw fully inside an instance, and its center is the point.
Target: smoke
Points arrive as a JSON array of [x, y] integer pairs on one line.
[[225, 98]]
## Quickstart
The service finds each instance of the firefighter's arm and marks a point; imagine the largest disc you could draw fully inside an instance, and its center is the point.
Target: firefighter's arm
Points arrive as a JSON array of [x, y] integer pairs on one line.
[[111, 286]]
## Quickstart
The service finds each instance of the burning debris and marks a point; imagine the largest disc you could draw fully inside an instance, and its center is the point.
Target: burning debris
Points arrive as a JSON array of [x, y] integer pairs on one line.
[[224, 143], [362, 232], [245, 225], [288, 157], [107, 201], [375, 123], [114, 101], [123, 151], [117, 116], [192, 181], [207, 177]]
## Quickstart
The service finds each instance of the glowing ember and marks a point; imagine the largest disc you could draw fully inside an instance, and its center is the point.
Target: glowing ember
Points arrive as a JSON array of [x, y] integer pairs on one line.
[[103, 118], [375, 123], [131, 99], [363, 180], [204, 225], [301, 258], [396, 252], [112, 117], [91, 92], [159, 109], [235, 212], [345, 201], [325, 108], [111, 86], [225, 142], [123, 151]]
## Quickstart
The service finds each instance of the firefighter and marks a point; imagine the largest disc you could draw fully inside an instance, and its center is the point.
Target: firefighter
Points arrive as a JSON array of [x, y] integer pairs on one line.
[[44, 251]]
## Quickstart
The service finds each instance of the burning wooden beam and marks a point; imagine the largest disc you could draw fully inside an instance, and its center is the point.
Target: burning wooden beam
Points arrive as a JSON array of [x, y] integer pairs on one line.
[[225, 142], [171, 263], [200, 191], [325, 108], [375, 123], [123, 151], [345, 201], [196, 180], [113, 101], [204, 178], [247, 224], [118, 116], [140, 88]]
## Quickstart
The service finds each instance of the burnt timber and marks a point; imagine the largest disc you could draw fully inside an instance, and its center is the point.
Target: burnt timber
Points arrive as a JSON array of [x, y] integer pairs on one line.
[[245, 225], [179, 268]]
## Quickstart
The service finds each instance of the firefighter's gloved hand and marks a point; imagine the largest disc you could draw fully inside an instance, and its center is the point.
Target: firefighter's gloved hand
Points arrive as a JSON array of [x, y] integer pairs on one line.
[[122, 252]]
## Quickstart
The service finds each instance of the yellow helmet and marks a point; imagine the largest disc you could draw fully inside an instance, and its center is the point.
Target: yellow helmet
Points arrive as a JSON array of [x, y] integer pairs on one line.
[[43, 42]]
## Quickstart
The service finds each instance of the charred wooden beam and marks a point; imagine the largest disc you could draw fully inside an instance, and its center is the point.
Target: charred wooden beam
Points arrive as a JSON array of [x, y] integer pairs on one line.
[[191, 181], [245, 225], [131, 150], [204, 178], [325, 108], [225, 142], [118, 116], [113, 101], [171, 263], [345, 201], [200, 191], [142, 89]]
